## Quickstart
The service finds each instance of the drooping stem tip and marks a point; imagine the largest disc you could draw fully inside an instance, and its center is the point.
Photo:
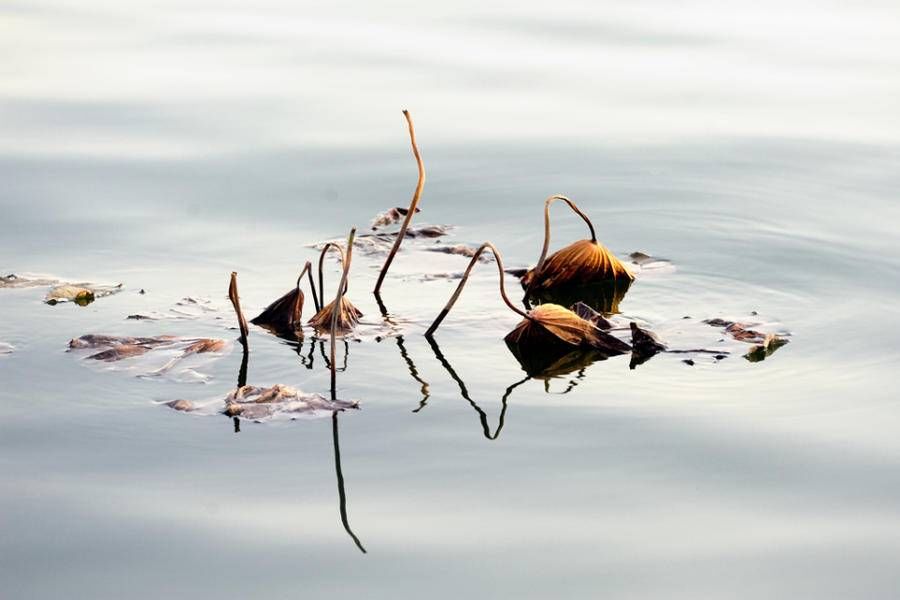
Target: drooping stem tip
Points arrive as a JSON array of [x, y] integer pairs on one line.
[[465, 278], [414, 203], [575, 209]]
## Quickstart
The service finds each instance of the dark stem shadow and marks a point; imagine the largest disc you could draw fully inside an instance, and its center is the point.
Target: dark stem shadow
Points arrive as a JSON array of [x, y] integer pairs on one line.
[[342, 495], [464, 392]]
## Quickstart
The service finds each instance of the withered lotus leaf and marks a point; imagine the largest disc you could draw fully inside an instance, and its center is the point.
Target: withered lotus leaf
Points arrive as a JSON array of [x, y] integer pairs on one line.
[[589, 314], [580, 263], [285, 315], [644, 345], [347, 317], [551, 326]]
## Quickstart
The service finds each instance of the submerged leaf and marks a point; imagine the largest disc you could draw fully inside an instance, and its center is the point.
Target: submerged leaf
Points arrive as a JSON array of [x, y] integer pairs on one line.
[[390, 217], [460, 250]]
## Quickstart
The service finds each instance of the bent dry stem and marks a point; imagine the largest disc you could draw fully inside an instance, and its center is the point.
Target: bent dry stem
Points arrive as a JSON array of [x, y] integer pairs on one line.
[[413, 205], [465, 278], [546, 248]]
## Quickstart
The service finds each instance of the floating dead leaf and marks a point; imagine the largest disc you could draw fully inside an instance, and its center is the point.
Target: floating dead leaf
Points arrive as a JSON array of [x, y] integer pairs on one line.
[[81, 294], [459, 250], [644, 345], [340, 312], [389, 217], [285, 314], [770, 344], [646, 263], [172, 352], [583, 262], [24, 281]]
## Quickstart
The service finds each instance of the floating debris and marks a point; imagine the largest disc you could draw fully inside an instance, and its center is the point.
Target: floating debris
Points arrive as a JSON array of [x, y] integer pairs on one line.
[[186, 309], [580, 263], [389, 217], [770, 344], [6, 348], [589, 314], [644, 345], [460, 250], [261, 404], [645, 262], [81, 294], [765, 344], [172, 351], [20, 281]]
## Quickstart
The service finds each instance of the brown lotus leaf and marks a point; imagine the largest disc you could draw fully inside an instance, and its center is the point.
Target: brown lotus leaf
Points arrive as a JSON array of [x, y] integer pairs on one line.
[[580, 263], [181, 405], [284, 314], [347, 318], [601, 297], [551, 324], [645, 342]]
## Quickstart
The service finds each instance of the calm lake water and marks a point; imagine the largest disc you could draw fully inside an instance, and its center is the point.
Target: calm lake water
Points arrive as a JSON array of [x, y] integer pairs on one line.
[[163, 145]]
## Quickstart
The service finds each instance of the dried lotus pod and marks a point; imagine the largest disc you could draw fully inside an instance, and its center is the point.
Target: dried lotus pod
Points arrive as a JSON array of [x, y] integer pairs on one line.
[[580, 263]]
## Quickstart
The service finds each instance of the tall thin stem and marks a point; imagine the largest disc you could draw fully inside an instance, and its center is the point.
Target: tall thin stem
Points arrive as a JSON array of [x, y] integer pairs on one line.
[[236, 303], [307, 268], [335, 310], [577, 211], [414, 203], [465, 278]]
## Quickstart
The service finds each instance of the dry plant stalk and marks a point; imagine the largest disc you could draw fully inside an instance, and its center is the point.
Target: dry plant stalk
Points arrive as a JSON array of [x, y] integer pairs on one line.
[[336, 314], [465, 278], [413, 206], [583, 262], [347, 314], [285, 314], [236, 303]]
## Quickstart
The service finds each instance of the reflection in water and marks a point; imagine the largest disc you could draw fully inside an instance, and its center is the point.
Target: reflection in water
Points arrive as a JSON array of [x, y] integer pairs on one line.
[[328, 360], [342, 494], [482, 416], [556, 362], [404, 354], [603, 297]]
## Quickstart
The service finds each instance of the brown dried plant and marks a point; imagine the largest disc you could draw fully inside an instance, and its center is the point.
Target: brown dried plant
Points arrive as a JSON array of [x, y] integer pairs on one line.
[[346, 316], [285, 314]]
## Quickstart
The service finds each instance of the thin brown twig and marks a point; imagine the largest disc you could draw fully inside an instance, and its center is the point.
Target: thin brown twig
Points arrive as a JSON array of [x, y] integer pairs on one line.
[[342, 286], [414, 203], [236, 303], [307, 268], [322, 254], [465, 278]]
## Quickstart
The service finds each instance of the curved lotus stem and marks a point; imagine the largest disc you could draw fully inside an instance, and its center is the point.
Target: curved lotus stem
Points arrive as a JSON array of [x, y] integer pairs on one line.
[[342, 288], [236, 302], [322, 254], [465, 278], [577, 211], [414, 203], [307, 268]]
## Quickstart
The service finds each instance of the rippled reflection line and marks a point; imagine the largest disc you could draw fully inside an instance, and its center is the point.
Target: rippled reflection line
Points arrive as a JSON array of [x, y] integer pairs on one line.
[[342, 495]]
